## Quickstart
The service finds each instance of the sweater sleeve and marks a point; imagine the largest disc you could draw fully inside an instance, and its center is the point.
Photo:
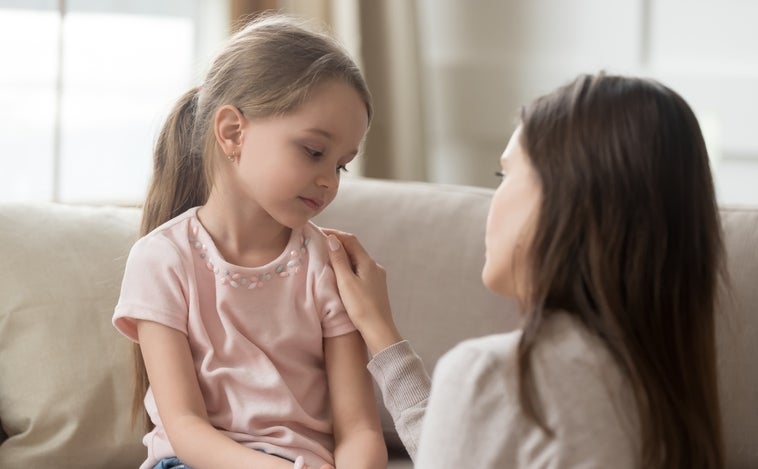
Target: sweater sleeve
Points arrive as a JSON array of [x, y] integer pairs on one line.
[[404, 384]]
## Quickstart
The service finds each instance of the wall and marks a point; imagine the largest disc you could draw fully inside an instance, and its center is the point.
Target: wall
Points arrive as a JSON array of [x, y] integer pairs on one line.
[[483, 59]]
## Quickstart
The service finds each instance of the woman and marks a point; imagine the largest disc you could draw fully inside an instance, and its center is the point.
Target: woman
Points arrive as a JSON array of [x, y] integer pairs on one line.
[[605, 229]]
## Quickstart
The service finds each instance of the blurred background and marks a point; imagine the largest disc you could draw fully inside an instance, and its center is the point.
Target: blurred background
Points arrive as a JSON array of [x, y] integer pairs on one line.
[[86, 84]]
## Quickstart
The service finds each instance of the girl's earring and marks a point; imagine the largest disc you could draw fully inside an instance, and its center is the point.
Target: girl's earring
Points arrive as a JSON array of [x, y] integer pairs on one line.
[[232, 157]]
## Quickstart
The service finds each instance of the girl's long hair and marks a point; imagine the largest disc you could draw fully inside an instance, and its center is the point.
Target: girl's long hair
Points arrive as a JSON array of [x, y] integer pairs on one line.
[[267, 68], [628, 240]]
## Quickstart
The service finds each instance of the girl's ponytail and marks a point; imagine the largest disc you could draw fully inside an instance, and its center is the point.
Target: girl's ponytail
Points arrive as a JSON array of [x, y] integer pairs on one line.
[[178, 184], [179, 181]]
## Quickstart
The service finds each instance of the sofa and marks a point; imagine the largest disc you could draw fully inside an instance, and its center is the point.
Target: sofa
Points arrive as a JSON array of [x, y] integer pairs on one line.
[[65, 373]]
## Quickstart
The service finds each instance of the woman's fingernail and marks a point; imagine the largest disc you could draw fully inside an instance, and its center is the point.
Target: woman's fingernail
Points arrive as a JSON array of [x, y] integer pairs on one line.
[[334, 243]]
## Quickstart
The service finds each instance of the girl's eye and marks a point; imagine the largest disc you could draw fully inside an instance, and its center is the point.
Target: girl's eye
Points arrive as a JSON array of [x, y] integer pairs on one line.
[[342, 168], [500, 174], [314, 153]]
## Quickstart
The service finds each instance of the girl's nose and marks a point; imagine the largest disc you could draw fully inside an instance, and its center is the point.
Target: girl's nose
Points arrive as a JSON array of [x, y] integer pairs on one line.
[[328, 179]]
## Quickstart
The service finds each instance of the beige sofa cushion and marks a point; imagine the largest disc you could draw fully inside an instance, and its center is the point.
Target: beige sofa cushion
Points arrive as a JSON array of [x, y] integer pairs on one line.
[[65, 382]]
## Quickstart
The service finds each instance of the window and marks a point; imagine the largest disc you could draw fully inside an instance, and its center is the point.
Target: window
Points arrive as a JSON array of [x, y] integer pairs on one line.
[[85, 86]]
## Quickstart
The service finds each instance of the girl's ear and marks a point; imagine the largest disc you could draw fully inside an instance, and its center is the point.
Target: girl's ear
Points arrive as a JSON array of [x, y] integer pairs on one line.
[[227, 126]]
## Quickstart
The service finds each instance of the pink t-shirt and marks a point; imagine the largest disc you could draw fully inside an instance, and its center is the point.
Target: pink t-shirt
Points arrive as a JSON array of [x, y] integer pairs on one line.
[[256, 334]]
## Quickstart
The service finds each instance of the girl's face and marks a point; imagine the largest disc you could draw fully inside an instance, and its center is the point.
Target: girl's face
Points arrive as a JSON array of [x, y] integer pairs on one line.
[[510, 223], [290, 165]]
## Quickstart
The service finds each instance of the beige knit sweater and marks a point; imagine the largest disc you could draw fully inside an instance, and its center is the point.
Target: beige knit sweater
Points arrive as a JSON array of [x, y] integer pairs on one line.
[[473, 418]]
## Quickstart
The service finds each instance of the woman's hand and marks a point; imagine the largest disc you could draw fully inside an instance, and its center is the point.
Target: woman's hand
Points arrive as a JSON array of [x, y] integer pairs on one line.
[[363, 287]]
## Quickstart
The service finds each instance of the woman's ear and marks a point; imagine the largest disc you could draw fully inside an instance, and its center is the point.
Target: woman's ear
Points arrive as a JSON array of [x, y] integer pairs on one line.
[[227, 126]]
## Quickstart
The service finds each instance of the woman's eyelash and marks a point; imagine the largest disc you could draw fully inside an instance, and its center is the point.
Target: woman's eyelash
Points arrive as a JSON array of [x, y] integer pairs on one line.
[[500, 174], [342, 168]]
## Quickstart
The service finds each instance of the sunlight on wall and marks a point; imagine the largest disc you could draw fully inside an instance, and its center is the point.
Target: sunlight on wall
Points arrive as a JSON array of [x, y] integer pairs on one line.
[[481, 64]]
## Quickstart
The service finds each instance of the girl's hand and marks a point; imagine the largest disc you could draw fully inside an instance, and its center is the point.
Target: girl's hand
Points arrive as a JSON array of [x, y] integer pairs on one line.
[[363, 287], [325, 466], [299, 464]]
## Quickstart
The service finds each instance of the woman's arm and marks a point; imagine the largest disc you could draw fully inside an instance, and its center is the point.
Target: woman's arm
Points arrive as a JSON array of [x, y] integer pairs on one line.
[[197, 443], [404, 384], [357, 431]]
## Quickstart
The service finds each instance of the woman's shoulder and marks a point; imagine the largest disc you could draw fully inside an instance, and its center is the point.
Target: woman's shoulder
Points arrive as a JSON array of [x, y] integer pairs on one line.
[[583, 391], [563, 342], [566, 357], [489, 359], [495, 347], [580, 391], [565, 345]]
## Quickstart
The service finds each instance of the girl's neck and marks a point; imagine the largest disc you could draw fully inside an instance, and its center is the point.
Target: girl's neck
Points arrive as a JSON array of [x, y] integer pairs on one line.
[[246, 236]]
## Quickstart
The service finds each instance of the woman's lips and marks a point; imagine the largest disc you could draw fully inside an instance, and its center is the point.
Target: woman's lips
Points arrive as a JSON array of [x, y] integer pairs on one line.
[[313, 204]]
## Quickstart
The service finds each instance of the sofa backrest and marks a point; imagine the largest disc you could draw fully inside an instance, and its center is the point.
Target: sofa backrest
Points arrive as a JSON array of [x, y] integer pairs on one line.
[[430, 239], [65, 373], [737, 339]]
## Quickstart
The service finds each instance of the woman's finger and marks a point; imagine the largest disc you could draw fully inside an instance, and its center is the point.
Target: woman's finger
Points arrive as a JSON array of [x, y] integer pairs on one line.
[[352, 246], [341, 262]]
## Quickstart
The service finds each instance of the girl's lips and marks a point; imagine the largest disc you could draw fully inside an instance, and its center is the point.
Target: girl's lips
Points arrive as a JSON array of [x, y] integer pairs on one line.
[[313, 204]]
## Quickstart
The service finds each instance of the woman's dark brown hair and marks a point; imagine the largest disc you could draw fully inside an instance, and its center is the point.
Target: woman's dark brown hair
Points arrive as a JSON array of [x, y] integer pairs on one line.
[[628, 240]]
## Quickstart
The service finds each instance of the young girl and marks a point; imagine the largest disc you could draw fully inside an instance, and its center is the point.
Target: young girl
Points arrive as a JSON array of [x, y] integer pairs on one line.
[[605, 228], [251, 359]]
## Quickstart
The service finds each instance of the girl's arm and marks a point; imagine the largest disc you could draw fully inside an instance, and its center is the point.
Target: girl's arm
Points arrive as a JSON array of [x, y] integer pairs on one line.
[[171, 372], [397, 369], [357, 431]]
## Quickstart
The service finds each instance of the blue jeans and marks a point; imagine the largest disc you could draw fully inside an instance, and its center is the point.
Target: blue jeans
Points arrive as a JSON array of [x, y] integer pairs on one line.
[[174, 463], [170, 463]]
